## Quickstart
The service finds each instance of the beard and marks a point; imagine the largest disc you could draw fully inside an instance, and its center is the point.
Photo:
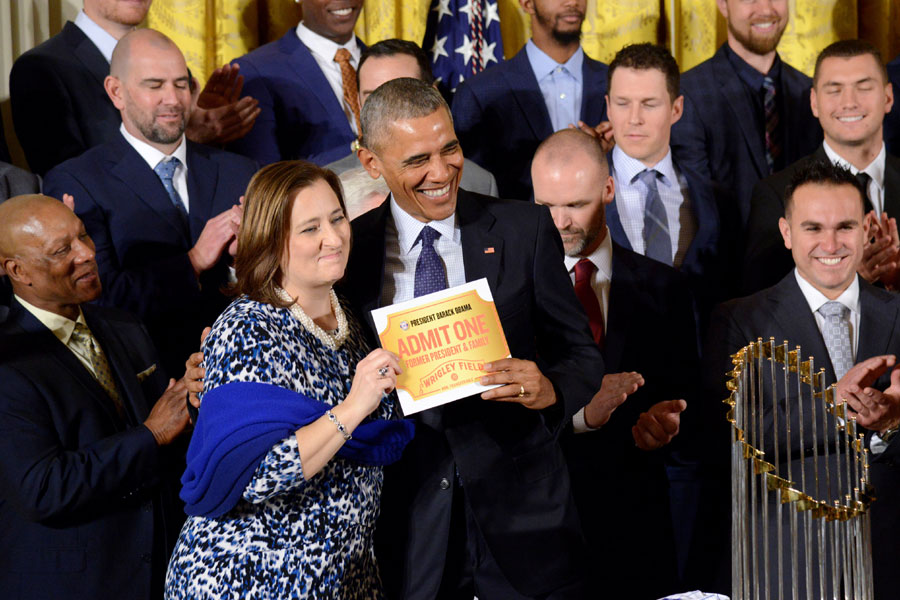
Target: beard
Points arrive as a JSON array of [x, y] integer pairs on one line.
[[564, 37], [581, 239], [757, 44], [154, 132]]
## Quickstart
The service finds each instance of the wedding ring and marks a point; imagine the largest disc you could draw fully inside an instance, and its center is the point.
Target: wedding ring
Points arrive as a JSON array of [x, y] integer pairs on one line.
[[383, 371], [521, 391]]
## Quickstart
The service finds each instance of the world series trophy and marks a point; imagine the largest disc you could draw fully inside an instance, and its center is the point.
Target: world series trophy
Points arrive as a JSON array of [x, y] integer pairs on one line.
[[800, 493]]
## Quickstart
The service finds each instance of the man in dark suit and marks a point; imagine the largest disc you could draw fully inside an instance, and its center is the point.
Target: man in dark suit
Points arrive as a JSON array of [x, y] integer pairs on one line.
[[636, 307], [59, 106], [733, 130], [89, 458], [162, 210], [480, 502], [390, 59], [306, 86], [503, 113], [824, 226], [13, 182], [662, 209], [892, 119], [850, 97]]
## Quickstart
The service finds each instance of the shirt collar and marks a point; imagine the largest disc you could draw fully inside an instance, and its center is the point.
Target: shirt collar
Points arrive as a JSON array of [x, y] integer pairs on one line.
[[627, 168], [324, 47], [601, 257], [99, 36], [62, 327], [409, 228], [815, 298], [543, 65], [153, 156], [749, 75], [874, 169]]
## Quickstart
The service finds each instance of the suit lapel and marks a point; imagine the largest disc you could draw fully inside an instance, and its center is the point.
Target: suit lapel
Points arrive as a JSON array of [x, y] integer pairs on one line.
[[136, 174], [622, 290], [613, 222], [877, 322], [202, 175], [733, 89], [482, 250], [521, 81], [86, 52], [368, 249], [892, 185], [593, 101], [791, 311], [706, 216]]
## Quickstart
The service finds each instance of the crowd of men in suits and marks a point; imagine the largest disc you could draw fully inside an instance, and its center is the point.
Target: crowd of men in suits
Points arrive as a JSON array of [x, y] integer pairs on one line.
[[606, 474]]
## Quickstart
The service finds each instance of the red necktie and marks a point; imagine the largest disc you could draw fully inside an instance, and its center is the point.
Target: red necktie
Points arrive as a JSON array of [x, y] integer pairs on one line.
[[583, 271]]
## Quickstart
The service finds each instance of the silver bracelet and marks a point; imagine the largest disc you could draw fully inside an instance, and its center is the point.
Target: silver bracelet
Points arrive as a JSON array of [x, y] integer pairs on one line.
[[339, 425]]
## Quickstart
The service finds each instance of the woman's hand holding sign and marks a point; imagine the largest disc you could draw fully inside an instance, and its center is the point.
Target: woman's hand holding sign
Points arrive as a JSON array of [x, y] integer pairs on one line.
[[521, 381]]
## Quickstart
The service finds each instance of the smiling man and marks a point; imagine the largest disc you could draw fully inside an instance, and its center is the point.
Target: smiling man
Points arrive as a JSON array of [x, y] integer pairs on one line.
[[837, 318], [850, 97], [746, 112], [162, 210], [306, 86], [480, 502]]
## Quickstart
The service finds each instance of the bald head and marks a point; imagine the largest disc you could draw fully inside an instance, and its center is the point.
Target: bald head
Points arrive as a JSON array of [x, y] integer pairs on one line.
[[47, 254], [567, 145], [139, 43]]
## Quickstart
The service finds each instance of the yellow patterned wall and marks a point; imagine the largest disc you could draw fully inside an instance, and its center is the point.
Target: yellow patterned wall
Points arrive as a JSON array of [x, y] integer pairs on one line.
[[212, 32]]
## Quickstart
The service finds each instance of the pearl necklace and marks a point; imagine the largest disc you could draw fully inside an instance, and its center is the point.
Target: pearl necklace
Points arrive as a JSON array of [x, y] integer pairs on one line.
[[332, 341]]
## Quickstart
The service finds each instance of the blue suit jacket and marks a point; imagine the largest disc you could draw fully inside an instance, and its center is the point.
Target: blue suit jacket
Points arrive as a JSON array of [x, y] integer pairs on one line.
[[87, 499], [501, 118], [892, 119], [716, 136], [710, 251], [300, 115], [142, 242]]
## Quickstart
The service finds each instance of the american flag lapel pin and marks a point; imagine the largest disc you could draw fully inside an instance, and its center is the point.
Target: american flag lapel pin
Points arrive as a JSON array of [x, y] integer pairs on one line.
[[489, 250]]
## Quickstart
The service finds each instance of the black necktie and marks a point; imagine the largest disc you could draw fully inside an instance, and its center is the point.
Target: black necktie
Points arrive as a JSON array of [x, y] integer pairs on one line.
[[864, 178]]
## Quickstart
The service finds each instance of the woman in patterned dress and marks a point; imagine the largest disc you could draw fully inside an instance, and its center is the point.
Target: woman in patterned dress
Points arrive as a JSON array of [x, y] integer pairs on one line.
[[299, 524]]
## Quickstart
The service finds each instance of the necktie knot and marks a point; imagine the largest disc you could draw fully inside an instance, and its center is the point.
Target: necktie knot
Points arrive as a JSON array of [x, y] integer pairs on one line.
[[166, 169], [834, 309], [342, 56], [648, 177], [768, 85], [82, 335], [427, 236], [584, 270]]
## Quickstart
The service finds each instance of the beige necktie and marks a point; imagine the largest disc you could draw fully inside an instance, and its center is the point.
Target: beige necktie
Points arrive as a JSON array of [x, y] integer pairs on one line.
[[348, 79], [86, 345]]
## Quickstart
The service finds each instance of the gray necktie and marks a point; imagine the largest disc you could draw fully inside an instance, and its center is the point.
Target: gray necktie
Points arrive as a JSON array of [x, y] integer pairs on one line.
[[836, 332], [657, 241]]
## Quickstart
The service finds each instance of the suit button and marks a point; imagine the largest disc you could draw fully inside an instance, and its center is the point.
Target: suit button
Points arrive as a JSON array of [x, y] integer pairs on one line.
[[146, 557], [445, 484]]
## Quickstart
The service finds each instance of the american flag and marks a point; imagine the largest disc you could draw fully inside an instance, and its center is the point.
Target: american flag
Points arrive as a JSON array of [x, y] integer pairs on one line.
[[463, 37]]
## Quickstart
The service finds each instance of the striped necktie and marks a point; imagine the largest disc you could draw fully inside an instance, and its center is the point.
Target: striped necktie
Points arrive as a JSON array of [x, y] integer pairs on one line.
[[773, 148], [657, 241]]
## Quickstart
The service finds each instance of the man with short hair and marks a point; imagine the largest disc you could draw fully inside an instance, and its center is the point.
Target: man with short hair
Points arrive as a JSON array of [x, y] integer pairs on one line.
[[503, 113], [89, 458], [59, 106], [480, 502], [306, 86], [851, 95], [746, 112], [390, 59], [636, 307], [662, 209], [162, 210], [840, 320]]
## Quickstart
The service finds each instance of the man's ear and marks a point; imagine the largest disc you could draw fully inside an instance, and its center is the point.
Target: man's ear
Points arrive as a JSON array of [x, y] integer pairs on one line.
[[370, 162], [113, 87], [15, 270], [785, 229]]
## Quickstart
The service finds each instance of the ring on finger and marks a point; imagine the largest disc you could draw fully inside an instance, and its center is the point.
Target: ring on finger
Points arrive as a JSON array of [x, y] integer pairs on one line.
[[521, 391], [383, 371]]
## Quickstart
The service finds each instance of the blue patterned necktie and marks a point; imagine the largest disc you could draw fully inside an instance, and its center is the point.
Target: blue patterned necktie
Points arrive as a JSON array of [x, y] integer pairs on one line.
[[430, 274], [165, 170], [657, 241], [836, 333], [773, 148]]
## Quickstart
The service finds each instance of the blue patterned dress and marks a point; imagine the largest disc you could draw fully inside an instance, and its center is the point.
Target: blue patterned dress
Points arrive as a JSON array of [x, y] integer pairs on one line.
[[286, 537]]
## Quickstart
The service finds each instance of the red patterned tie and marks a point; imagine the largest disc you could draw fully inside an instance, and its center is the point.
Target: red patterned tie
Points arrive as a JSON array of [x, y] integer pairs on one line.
[[348, 79], [583, 271]]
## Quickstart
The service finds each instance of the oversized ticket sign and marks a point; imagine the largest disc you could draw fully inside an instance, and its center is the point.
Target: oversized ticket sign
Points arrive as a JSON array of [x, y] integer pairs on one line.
[[443, 340]]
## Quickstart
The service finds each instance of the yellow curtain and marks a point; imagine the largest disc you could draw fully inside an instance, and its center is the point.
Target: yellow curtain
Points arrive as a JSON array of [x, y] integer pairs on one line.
[[213, 32]]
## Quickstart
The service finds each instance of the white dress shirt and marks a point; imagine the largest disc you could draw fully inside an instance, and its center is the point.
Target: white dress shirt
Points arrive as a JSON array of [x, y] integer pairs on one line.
[[600, 282], [631, 202], [875, 170], [153, 157], [402, 252], [99, 36], [323, 50], [561, 84]]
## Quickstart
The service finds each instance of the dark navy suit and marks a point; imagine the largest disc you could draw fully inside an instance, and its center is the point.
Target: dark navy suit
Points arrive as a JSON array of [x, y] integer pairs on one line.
[[718, 137], [300, 115], [892, 119], [59, 105], [142, 241], [501, 118], [87, 499]]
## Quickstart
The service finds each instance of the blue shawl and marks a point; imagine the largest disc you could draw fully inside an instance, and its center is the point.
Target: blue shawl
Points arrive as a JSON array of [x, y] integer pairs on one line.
[[240, 422]]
